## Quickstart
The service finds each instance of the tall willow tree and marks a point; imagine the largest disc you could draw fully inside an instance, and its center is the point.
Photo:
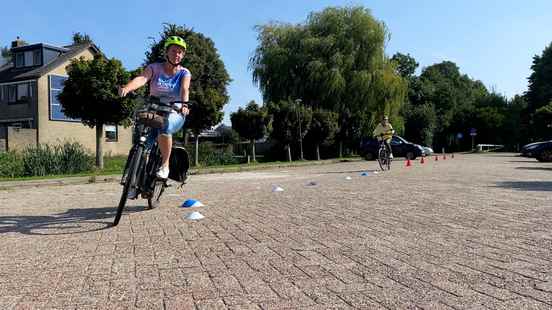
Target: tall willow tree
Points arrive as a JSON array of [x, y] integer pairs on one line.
[[334, 61]]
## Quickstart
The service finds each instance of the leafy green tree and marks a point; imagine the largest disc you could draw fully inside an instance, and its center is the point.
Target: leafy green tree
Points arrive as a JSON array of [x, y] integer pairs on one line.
[[489, 116], [420, 123], [406, 64], [79, 38], [5, 52], [335, 61], [322, 129], [251, 123], [210, 79], [514, 129], [539, 94], [286, 116], [453, 96], [90, 93]]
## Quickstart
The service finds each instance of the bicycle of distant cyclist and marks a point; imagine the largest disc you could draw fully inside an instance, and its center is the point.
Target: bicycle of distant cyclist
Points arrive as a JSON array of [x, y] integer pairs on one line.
[[144, 159], [384, 155]]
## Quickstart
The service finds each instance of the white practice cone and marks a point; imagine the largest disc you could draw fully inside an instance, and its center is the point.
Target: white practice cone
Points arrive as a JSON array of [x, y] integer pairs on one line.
[[348, 178], [194, 216]]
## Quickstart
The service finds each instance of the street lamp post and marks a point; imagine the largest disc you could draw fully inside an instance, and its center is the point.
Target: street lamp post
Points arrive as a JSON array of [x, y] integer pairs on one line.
[[298, 102]]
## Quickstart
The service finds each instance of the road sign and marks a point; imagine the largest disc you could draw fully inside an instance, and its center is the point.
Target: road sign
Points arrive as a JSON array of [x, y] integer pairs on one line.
[[459, 136], [473, 132]]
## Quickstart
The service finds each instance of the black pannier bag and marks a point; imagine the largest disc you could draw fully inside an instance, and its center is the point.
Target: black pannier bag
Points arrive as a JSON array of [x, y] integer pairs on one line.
[[179, 163]]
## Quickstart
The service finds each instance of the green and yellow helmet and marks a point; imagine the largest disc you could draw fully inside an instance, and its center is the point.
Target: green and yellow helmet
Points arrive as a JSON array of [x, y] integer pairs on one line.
[[176, 40]]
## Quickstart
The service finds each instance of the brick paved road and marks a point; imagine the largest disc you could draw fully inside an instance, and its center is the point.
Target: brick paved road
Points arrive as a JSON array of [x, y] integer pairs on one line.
[[469, 233]]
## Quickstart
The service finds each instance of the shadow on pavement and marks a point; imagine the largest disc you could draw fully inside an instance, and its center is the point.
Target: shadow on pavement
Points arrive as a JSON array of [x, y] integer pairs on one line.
[[527, 185], [73, 221], [535, 168]]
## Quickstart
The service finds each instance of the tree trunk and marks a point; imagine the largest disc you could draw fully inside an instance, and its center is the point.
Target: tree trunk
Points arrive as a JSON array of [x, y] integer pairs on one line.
[[196, 157], [253, 150], [340, 149], [288, 152], [318, 152], [99, 146]]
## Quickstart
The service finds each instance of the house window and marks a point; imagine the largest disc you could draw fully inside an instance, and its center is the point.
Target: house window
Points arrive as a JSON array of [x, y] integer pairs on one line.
[[23, 92], [28, 58], [37, 57], [17, 92], [12, 93], [56, 86], [19, 60], [111, 133]]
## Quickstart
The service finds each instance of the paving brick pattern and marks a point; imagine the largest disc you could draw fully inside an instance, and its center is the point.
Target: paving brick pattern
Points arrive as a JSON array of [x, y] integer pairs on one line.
[[472, 232]]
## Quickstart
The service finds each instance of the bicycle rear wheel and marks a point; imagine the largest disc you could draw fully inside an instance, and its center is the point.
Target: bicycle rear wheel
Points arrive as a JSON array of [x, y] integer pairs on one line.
[[130, 181], [155, 199]]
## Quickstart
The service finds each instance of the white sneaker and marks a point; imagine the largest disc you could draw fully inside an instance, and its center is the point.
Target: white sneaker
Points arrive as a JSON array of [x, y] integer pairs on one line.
[[390, 156], [163, 172]]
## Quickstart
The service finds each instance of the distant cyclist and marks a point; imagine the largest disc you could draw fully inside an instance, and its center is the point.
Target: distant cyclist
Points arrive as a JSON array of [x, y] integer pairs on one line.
[[169, 82], [384, 131]]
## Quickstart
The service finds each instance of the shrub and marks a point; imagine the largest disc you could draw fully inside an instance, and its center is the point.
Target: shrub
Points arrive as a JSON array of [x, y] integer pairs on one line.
[[11, 165], [210, 155], [44, 159]]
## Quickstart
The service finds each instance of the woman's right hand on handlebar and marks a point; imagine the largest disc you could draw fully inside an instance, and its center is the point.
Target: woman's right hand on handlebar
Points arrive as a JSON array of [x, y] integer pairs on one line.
[[123, 91]]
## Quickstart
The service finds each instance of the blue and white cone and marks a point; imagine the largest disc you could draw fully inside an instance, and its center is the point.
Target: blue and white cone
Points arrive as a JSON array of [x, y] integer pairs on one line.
[[192, 203], [277, 188], [194, 216], [364, 174]]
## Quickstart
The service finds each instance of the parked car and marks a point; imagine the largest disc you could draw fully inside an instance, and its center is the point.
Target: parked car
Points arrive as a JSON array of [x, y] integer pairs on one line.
[[427, 150], [401, 148], [542, 151]]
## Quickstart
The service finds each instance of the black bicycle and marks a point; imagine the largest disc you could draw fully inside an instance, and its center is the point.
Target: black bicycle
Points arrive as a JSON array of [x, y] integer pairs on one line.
[[139, 176], [384, 156]]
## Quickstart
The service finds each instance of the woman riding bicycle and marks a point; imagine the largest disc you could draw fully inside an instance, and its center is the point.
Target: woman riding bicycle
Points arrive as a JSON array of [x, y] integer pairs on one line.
[[384, 131], [169, 82]]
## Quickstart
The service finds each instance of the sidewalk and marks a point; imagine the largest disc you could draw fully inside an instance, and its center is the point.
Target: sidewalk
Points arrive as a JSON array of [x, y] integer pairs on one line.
[[6, 185]]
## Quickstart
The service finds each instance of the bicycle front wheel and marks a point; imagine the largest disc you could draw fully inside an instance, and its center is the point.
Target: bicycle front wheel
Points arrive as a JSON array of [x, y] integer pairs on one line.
[[129, 181], [383, 159]]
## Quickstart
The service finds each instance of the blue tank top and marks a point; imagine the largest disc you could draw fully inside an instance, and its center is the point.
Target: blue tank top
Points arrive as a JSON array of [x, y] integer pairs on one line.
[[166, 87]]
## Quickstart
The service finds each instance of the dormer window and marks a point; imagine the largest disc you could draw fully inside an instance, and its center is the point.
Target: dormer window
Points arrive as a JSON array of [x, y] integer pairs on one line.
[[28, 58], [20, 60]]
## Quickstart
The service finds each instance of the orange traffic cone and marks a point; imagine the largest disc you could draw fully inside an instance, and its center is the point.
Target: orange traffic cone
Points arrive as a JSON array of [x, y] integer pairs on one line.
[[408, 164], [422, 160], [436, 158]]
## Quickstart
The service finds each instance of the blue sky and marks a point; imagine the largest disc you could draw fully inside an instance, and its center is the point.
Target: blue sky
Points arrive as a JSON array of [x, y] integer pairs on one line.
[[490, 40]]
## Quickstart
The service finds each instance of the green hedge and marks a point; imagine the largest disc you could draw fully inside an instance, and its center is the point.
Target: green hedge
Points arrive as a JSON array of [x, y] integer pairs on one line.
[[11, 165], [212, 155], [44, 159]]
